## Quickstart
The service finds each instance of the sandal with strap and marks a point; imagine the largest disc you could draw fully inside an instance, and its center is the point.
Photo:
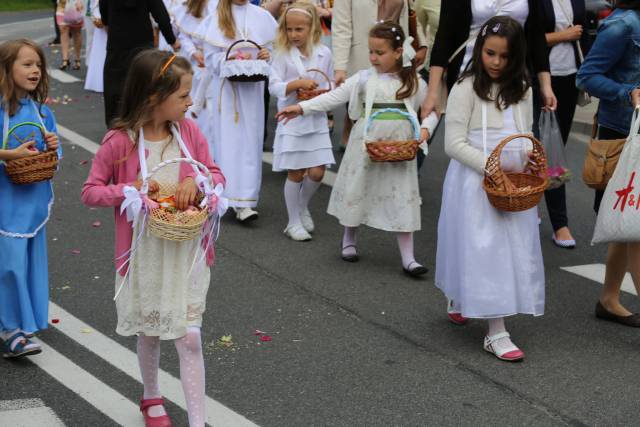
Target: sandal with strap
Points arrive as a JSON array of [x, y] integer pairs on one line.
[[512, 355], [415, 269], [76, 64], [149, 421], [65, 65], [347, 256], [24, 347]]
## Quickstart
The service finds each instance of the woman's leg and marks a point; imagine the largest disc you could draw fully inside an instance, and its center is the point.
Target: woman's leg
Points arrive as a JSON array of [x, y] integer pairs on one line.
[[192, 375], [64, 42], [617, 259], [148, 349], [77, 43], [633, 263]]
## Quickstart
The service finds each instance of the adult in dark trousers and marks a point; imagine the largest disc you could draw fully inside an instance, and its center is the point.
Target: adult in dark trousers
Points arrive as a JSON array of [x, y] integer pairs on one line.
[[564, 22], [56, 41], [129, 31], [611, 72]]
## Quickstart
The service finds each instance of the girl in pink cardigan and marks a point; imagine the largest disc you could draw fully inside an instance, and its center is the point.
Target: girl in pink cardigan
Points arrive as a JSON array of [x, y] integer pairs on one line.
[[164, 294]]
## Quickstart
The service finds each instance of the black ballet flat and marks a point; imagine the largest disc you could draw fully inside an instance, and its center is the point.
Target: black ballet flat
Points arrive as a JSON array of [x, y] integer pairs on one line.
[[350, 258], [417, 271]]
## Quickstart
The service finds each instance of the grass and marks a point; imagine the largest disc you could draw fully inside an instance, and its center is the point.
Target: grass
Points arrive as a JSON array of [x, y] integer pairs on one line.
[[20, 5]]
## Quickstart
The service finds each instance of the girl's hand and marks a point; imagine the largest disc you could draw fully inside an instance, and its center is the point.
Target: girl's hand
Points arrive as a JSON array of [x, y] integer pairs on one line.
[[340, 76], [186, 193], [154, 187], [52, 141], [27, 149], [289, 113], [548, 98], [199, 58], [307, 84], [264, 54], [424, 135]]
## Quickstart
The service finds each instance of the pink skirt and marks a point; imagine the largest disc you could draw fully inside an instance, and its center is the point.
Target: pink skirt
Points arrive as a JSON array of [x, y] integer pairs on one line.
[[61, 23]]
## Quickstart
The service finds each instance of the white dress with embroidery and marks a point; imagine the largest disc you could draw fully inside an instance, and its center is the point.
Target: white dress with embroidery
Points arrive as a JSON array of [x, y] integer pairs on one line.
[[162, 299]]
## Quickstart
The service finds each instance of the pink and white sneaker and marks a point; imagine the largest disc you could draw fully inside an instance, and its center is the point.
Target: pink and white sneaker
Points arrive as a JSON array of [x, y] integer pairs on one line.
[[500, 345]]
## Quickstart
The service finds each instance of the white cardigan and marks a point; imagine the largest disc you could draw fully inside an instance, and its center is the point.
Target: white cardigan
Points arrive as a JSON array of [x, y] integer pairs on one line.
[[464, 113]]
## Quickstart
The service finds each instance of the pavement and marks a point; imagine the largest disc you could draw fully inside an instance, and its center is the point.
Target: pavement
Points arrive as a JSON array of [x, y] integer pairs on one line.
[[351, 344]]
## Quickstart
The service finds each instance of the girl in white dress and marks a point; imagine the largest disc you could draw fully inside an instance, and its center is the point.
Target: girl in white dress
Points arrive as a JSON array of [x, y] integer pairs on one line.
[[98, 52], [489, 262], [302, 146], [163, 297], [237, 131], [382, 195]]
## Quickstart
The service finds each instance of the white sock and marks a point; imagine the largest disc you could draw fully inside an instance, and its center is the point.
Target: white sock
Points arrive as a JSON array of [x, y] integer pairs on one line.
[[291, 199], [503, 345], [192, 374], [307, 190], [405, 244], [349, 239], [149, 360]]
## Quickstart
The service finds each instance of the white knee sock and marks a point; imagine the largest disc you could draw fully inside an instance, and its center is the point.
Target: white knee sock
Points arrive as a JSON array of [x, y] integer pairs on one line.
[[497, 326], [348, 239], [405, 244], [192, 374], [291, 199], [308, 189], [149, 361]]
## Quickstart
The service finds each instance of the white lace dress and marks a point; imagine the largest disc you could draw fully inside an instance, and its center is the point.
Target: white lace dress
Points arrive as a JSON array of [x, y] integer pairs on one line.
[[162, 299], [381, 195]]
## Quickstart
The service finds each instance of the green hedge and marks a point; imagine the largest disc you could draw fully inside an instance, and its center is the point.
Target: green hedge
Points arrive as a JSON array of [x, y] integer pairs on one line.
[[17, 5]]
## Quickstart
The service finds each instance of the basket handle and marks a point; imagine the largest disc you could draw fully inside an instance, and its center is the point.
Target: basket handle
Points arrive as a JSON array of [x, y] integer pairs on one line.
[[495, 172], [407, 115], [322, 73], [238, 42], [196, 163], [19, 125]]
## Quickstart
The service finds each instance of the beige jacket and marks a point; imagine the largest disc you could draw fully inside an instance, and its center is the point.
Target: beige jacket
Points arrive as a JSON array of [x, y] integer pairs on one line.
[[464, 113], [428, 14], [351, 22]]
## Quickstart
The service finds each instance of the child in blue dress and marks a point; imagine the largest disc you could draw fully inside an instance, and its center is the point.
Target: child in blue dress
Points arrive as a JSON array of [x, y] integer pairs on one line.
[[24, 282]]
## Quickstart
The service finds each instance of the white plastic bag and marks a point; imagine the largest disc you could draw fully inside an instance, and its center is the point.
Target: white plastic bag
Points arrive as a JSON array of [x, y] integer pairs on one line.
[[557, 168], [619, 215], [73, 12]]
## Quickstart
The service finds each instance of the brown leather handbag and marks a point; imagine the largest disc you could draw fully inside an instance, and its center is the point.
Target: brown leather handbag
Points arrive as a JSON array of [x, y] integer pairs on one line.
[[601, 159]]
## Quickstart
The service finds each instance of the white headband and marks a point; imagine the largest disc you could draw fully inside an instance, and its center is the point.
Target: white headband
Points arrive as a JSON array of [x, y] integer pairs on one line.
[[297, 9], [408, 52]]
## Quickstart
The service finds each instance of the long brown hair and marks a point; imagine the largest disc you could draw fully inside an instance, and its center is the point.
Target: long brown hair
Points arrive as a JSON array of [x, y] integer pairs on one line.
[[225, 19], [282, 41], [150, 81], [394, 34], [515, 80], [8, 92], [196, 7]]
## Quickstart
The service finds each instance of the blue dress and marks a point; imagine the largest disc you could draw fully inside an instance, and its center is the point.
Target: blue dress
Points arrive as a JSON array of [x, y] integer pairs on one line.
[[24, 211]]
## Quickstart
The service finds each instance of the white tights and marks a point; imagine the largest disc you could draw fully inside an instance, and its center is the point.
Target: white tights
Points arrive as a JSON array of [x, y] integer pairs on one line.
[[191, 373]]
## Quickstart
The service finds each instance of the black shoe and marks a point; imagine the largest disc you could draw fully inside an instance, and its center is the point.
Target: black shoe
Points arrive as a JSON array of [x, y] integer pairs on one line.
[[350, 258], [416, 271], [65, 65], [54, 43], [632, 320]]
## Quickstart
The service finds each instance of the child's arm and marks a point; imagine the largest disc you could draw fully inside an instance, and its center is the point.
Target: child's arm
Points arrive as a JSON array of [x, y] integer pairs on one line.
[[98, 190], [457, 120], [278, 86], [25, 150]]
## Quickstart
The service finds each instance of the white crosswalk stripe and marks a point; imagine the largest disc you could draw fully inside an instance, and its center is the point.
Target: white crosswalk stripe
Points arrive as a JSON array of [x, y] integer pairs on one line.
[[28, 413], [596, 273]]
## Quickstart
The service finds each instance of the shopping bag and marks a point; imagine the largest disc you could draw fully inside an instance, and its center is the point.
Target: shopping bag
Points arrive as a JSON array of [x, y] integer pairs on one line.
[[558, 171], [619, 214], [73, 12]]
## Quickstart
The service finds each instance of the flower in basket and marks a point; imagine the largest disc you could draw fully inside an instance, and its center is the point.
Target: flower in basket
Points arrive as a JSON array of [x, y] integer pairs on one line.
[[241, 55], [557, 176]]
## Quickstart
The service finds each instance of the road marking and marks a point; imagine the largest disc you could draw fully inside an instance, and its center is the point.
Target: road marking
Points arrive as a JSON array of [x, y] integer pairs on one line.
[[62, 77], [79, 140], [23, 24], [596, 273], [98, 394], [127, 361], [28, 413]]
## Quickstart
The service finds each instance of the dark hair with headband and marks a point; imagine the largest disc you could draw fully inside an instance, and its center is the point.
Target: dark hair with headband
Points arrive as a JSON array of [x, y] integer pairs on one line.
[[515, 80], [394, 34], [153, 76]]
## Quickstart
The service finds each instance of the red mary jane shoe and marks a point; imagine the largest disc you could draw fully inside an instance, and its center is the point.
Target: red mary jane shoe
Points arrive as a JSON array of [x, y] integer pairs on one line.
[[149, 421]]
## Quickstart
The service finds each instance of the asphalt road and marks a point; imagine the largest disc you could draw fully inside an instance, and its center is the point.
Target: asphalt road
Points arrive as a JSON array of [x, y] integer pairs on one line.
[[352, 344]]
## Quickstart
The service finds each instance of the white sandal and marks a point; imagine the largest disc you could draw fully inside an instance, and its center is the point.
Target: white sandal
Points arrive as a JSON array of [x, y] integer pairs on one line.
[[510, 355]]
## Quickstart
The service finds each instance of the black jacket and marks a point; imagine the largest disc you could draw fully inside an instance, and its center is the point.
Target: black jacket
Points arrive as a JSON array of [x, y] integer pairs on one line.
[[548, 17], [454, 28], [129, 24]]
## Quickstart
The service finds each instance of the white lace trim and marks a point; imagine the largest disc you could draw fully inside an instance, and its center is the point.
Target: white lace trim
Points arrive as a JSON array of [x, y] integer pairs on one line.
[[246, 67], [30, 235]]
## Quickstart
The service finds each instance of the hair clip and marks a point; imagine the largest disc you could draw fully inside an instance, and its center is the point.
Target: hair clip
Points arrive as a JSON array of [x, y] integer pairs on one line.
[[484, 31], [393, 29], [496, 28], [169, 62], [397, 37]]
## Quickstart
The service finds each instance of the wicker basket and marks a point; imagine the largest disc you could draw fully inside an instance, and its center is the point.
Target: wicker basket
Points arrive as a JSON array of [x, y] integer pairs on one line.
[[393, 151], [529, 188], [244, 77], [180, 226], [305, 95], [29, 170]]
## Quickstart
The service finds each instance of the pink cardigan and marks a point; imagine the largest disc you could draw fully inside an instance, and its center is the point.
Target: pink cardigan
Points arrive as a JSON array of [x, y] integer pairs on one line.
[[108, 177]]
